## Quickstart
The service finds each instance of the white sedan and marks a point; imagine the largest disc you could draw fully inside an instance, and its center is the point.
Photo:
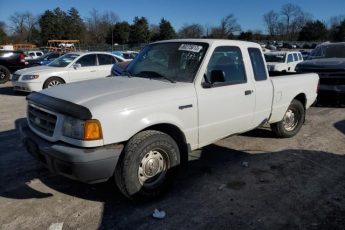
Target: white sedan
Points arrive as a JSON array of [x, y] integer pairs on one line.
[[71, 67]]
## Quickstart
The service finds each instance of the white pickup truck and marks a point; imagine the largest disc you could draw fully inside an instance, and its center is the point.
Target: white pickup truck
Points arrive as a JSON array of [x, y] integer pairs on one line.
[[177, 96]]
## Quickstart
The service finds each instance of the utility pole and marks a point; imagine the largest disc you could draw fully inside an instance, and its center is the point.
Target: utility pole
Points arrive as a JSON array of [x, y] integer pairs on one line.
[[112, 38]]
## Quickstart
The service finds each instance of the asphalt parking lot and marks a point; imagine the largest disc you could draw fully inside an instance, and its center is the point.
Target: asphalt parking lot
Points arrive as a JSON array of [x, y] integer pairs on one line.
[[248, 181]]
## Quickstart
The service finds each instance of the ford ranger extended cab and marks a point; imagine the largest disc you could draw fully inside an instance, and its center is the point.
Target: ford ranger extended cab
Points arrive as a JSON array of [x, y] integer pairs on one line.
[[176, 96]]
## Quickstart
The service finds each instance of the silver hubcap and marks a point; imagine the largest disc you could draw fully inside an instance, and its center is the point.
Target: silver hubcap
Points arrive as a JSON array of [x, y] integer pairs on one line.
[[290, 120], [53, 83], [2, 74], [152, 168]]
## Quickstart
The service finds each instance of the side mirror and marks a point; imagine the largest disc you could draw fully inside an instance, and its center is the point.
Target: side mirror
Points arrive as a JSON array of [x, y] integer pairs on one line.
[[206, 83], [77, 66]]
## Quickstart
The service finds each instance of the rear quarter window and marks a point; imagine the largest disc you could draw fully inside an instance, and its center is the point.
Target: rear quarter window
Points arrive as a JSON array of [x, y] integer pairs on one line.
[[258, 64]]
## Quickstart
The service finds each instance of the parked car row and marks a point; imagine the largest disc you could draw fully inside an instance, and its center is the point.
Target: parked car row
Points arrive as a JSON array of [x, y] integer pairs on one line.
[[328, 60], [10, 61], [71, 67]]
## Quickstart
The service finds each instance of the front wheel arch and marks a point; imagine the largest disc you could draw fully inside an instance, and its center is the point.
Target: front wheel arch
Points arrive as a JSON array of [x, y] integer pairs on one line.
[[46, 82], [127, 171]]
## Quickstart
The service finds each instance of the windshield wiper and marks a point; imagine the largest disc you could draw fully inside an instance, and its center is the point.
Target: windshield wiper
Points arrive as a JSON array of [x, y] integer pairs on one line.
[[152, 75]]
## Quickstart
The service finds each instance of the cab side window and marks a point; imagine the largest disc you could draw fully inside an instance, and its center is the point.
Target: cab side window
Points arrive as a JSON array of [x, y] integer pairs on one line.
[[258, 64], [289, 58], [226, 66], [295, 56], [87, 60]]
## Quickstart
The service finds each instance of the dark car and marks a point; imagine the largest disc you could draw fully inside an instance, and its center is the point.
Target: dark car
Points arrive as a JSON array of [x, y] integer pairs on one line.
[[44, 59], [119, 68], [10, 61], [328, 60]]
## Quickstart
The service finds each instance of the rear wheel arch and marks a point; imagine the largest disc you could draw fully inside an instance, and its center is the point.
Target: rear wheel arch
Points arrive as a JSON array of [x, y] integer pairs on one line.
[[302, 98]]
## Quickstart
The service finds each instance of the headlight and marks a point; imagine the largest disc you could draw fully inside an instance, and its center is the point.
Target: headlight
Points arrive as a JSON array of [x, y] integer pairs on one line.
[[82, 130], [29, 77]]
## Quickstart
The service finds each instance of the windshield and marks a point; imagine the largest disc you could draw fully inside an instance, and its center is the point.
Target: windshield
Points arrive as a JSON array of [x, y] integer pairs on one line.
[[64, 60], [278, 57], [176, 61], [328, 51]]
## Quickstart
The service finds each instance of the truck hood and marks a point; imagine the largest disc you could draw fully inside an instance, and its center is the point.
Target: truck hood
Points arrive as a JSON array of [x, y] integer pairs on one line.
[[323, 63], [119, 92], [38, 69]]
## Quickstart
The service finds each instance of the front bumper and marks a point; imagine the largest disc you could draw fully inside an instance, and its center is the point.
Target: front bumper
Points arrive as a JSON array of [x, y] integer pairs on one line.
[[89, 165], [27, 86]]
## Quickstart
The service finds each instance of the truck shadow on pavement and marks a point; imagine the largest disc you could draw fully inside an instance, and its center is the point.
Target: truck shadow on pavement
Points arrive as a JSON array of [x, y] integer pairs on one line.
[[222, 187], [9, 91], [340, 125], [331, 101]]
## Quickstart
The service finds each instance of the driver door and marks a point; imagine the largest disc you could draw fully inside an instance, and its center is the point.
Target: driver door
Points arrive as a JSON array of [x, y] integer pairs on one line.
[[228, 106]]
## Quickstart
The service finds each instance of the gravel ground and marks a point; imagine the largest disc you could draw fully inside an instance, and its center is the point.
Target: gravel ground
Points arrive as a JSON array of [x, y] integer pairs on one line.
[[296, 183]]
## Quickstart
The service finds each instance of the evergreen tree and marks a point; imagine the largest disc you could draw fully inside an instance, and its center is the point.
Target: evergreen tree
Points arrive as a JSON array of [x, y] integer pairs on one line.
[[313, 31], [338, 34], [75, 25], [3, 35], [121, 32], [139, 31], [166, 31]]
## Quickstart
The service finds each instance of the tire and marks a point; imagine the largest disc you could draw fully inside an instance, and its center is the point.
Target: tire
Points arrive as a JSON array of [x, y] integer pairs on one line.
[[292, 121], [4, 74], [147, 165], [53, 81]]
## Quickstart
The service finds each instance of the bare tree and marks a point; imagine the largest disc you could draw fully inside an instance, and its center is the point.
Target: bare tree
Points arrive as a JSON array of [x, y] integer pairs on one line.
[[228, 26], [191, 31], [289, 13], [99, 24], [22, 25], [336, 20], [271, 20]]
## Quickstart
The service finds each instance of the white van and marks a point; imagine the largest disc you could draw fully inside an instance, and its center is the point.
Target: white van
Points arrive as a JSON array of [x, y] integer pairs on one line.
[[33, 54], [283, 61]]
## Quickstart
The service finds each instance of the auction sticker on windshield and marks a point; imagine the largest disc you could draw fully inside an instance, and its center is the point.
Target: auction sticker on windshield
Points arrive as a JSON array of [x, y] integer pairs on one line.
[[190, 48]]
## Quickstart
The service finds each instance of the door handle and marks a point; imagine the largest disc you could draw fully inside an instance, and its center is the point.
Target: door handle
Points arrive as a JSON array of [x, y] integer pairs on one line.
[[248, 92], [93, 70]]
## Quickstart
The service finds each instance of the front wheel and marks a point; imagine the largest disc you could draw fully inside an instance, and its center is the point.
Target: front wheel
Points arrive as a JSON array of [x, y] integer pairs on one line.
[[52, 82], [147, 165], [292, 121]]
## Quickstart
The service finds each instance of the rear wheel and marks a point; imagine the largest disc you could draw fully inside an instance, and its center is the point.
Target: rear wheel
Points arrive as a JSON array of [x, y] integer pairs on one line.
[[4, 74], [53, 81], [292, 121], [147, 165]]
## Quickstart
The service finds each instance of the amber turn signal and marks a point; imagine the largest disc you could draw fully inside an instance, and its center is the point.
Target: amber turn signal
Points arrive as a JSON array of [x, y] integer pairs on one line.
[[92, 130]]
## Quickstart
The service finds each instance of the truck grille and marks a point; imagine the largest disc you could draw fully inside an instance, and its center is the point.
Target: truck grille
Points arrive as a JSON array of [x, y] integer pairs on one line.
[[15, 77], [42, 121]]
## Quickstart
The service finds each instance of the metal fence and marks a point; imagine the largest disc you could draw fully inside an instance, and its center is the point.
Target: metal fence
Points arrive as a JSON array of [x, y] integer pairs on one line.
[[106, 47]]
